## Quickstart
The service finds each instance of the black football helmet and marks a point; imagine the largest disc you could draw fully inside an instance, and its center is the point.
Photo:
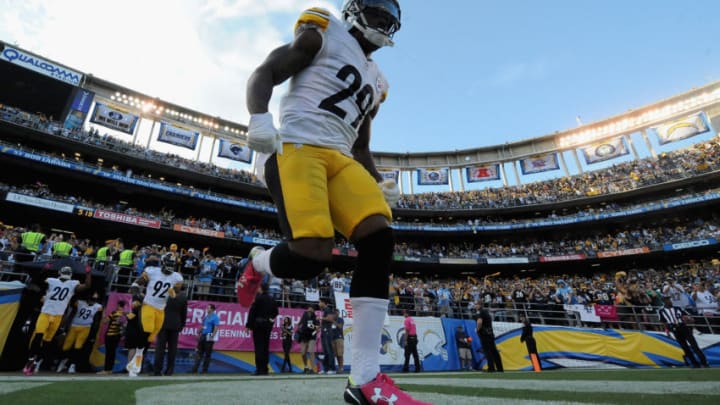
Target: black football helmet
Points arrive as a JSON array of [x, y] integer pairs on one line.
[[355, 12], [168, 263]]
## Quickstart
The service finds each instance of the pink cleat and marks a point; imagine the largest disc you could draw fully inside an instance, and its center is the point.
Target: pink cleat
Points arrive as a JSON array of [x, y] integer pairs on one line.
[[380, 391], [249, 283]]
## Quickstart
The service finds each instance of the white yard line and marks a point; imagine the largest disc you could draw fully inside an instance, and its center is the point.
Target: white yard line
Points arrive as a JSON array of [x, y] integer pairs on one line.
[[8, 387], [635, 387]]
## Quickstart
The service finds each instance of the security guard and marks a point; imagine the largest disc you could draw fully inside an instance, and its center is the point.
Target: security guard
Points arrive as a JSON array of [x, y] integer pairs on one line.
[[127, 265], [260, 321], [61, 248], [31, 241]]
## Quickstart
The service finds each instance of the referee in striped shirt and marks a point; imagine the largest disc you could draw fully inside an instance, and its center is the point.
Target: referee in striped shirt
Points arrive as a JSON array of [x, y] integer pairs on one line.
[[674, 319]]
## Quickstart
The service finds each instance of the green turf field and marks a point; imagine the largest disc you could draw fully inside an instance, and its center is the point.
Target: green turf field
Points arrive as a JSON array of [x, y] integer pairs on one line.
[[668, 386]]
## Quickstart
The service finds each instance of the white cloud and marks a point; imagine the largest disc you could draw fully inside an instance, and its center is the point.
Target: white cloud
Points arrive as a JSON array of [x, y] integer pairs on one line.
[[195, 53]]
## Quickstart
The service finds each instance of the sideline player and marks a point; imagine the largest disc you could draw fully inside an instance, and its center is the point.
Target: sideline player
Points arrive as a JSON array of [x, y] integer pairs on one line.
[[86, 312], [321, 174], [59, 293], [162, 281]]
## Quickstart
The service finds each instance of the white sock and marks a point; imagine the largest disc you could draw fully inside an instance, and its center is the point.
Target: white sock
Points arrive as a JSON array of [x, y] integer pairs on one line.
[[261, 262], [368, 318], [138, 359]]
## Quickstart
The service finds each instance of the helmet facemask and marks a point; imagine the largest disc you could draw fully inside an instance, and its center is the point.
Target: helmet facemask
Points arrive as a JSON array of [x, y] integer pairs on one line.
[[65, 273], [378, 20], [168, 263]]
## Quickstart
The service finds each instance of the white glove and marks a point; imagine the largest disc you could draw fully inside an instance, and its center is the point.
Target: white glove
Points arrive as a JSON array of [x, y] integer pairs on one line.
[[391, 191], [262, 136]]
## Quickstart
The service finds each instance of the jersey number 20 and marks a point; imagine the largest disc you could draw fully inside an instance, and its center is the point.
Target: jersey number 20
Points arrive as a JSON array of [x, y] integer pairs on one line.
[[59, 293]]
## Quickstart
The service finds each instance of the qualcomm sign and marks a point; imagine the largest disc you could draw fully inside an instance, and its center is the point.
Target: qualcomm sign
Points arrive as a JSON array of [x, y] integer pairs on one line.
[[42, 66]]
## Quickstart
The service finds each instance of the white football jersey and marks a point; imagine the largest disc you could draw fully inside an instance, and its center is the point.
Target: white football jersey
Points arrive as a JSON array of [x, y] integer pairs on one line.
[[85, 313], [159, 283], [328, 101], [58, 295]]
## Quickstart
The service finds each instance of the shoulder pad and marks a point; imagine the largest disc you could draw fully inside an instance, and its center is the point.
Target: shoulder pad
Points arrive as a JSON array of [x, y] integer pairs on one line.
[[316, 16]]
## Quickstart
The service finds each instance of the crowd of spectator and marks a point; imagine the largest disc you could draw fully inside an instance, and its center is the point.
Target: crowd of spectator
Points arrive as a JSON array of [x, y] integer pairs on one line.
[[700, 158], [40, 122], [587, 243], [635, 294]]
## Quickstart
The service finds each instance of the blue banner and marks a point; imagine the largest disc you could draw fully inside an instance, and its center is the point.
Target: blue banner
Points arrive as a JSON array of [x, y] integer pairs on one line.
[[605, 150], [433, 176], [681, 129], [178, 136], [539, 163], [114, 118], [234, 151], [78, 109], [689, 244]]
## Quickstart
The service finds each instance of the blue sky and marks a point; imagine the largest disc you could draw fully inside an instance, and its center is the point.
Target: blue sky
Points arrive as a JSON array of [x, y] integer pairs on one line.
[[464, 73]]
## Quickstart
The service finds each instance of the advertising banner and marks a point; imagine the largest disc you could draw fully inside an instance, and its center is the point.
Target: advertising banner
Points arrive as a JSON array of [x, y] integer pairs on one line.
[[126, 219], [114, 118], [178, 136], [623, 252], [234, 151], [199, 231], [605, 150], [475, 174], [540, 163], [457, 260], [260, 241], [39, 202], [40, 65], [232, 334], [430, 177], [507, 260], [689, 244], [558, 346], [79, 108], [563, 258], [681, 129]]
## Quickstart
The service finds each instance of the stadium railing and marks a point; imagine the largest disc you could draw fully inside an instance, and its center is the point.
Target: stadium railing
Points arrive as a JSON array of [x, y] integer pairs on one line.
[[627, 317]]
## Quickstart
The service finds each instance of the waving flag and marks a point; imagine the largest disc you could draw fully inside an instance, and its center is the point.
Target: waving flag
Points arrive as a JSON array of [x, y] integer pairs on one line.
[[605, 150], [540, 163], [475, 174], [681, 129], [234, 151], [431, 177]]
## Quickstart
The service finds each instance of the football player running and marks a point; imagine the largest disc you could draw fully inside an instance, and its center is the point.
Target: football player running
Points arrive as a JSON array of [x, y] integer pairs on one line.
[[86, 312], [320, 172], [59, 293], [162, 282]]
